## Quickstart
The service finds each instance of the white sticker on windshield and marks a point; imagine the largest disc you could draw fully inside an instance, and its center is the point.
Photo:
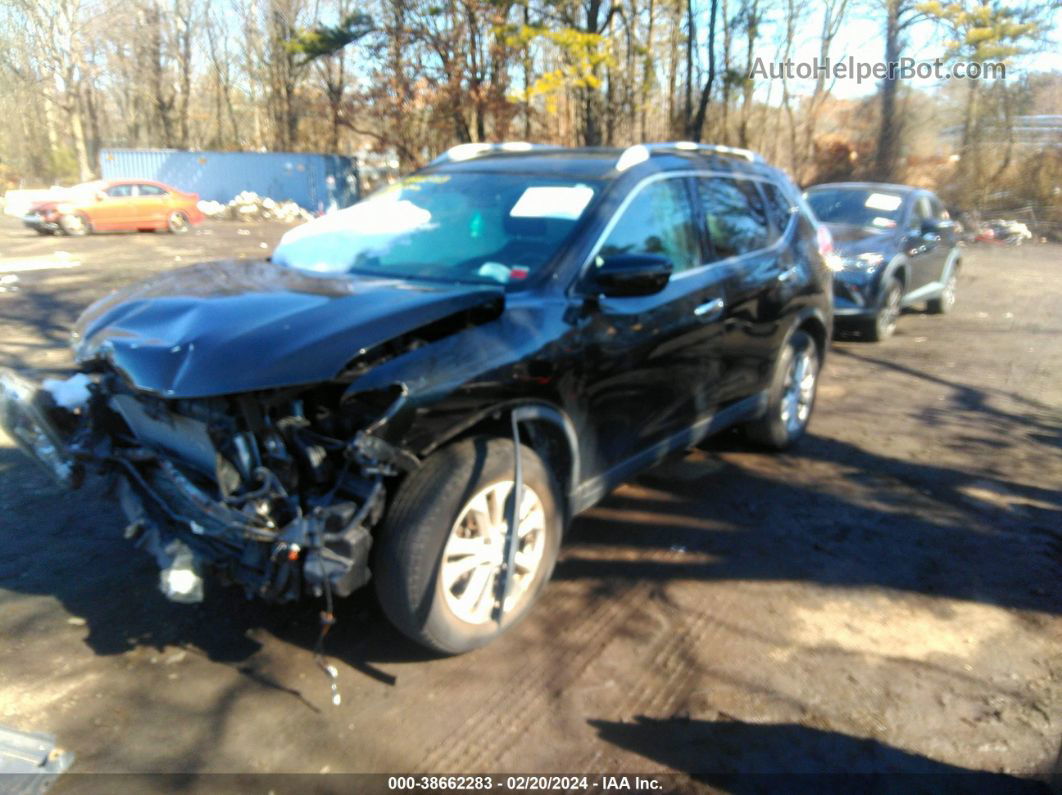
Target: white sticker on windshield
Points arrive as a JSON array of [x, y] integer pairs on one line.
[[883, 201], [566, 202]]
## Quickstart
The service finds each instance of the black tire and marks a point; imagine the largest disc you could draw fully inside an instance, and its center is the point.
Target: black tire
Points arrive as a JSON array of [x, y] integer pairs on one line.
[[177, 223], [883, 324], [409, 553], [945, 302], [779, 428], [43, 232], [74, 225]]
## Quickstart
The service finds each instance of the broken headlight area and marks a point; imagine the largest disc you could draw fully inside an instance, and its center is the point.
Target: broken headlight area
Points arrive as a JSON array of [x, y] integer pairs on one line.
[[277, 492]]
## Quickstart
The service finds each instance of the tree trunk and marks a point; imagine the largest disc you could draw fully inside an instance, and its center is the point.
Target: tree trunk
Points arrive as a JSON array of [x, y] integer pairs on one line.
[[888, 130], [751, 30], [591, 96], [184, 24], [50, 128], [647, 72], [691, 40], [93, 109], [697, 128], [725, 114], [967, 167], [528, 66], [77, 133]]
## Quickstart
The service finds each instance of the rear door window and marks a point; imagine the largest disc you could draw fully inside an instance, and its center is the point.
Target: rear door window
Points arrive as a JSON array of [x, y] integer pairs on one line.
[[735, 216], [779, 208], [150, 190], [659, 220]]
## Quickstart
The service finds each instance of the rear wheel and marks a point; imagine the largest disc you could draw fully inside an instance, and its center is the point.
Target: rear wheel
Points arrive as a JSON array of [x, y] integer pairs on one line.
[[791, 396], [440, 553], [74, 224], [883, 324], [177, 223], [943, 304]]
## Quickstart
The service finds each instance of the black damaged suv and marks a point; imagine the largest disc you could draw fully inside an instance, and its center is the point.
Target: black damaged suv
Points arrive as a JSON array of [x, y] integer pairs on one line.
[[426, 386]]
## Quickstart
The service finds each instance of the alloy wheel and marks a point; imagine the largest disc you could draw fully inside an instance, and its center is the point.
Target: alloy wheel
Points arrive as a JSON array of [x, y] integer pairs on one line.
[[889, 313], [798, 394], [474, 554]]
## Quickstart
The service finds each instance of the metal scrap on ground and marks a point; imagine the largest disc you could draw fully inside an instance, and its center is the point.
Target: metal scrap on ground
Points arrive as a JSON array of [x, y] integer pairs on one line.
[[249, 206]]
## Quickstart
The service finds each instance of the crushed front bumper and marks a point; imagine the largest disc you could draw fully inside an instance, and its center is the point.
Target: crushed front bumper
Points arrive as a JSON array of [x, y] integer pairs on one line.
[[186, 529], [39, 224]]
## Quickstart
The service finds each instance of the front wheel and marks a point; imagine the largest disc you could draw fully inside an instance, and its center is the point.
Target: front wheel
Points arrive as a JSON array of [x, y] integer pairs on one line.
[[441, 550], [74, 225], [883, 324], [791, 396], [943, 304]]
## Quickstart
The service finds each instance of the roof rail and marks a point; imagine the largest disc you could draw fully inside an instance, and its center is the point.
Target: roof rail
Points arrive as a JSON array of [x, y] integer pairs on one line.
[[718, 149], [639, 153], [456, 154]]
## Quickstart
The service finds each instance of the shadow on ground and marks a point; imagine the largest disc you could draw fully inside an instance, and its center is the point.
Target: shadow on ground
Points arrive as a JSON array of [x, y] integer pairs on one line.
[[867, 520], [753, 757]]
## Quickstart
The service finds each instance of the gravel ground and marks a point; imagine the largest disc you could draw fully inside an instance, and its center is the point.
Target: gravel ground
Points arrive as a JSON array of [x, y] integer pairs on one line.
[[886, 597]]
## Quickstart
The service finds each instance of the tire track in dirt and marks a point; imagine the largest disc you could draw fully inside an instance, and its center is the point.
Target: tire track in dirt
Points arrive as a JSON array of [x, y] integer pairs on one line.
[[524, 699], [676, 656]]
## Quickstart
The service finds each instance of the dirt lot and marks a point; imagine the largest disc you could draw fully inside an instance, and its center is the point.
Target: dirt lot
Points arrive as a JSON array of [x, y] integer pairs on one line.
[[885, 598]]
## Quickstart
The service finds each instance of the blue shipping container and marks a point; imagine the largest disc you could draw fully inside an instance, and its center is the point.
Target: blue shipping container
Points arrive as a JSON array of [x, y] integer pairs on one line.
[[313, 181]]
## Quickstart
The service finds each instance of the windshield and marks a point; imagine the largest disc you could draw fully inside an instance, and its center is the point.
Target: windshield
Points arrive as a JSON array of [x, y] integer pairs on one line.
[[864, 207], [457, 227]]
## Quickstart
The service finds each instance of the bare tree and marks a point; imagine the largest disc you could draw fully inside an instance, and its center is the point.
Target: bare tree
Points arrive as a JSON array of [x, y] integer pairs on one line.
[[54, 28]]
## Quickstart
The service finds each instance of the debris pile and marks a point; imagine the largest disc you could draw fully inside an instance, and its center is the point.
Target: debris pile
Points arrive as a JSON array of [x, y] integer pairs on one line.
[[249, 206]]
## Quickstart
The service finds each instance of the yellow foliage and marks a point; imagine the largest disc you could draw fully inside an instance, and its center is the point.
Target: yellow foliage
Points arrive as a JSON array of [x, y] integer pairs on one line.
[[982, 32], [582, 56]]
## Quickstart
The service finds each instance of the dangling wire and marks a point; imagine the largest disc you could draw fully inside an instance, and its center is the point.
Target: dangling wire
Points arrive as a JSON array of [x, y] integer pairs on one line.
[[328, 619]]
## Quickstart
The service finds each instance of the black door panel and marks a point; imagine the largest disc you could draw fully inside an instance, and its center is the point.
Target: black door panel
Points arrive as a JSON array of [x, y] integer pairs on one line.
[[760, 277], [651, 362]]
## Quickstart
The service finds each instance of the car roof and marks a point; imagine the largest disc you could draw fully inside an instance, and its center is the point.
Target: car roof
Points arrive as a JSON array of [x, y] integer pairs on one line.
[[904, 189], [593, 162], [134, 181]]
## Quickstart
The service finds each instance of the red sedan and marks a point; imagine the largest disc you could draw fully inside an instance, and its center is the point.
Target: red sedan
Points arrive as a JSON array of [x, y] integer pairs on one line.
[[107, 206]]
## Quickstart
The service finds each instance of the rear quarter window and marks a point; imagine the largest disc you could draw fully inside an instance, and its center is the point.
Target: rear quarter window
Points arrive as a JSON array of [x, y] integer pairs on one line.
[[735, 216], [779, 208]]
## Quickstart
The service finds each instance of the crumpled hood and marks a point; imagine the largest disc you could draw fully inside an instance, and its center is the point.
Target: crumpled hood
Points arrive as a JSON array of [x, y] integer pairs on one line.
[[229, 327]]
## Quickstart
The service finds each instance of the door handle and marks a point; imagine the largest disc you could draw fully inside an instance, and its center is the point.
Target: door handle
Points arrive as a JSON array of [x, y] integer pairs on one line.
[[788, 274], [710, 310]]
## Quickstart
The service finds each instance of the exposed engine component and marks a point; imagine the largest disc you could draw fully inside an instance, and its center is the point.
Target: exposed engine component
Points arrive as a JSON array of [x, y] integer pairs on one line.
[[277, 492]]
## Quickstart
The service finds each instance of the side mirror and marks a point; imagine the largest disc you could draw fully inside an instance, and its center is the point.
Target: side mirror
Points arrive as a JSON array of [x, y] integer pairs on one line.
[[627, 275], [932, 226], [100, 195]]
